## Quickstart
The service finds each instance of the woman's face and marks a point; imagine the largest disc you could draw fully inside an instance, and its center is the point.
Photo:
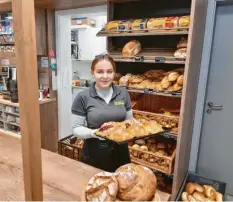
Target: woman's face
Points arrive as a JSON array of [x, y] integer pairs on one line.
[[103, 74]]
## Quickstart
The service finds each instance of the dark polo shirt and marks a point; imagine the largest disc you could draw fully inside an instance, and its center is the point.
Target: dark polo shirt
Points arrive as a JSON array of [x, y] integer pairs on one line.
[[97, 111]]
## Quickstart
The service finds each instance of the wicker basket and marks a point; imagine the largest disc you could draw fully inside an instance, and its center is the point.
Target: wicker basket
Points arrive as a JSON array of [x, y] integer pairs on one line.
[[70, 148], [165, 120], [155, 161]]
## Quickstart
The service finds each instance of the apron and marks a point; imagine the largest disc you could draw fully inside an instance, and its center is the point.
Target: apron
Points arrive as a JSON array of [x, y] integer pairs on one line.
[[105, 155]]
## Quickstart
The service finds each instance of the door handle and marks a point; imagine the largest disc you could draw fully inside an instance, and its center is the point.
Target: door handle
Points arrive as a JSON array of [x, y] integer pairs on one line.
[[214, 107]]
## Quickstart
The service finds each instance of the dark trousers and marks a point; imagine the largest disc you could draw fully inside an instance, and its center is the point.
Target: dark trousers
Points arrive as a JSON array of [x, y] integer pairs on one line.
[[107, 156]]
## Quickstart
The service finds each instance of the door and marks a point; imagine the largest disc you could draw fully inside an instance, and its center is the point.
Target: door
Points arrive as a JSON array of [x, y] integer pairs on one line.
[[216, 144]]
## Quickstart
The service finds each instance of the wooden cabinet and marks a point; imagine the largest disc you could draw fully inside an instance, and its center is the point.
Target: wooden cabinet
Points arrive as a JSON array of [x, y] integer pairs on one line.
[[41, 44]]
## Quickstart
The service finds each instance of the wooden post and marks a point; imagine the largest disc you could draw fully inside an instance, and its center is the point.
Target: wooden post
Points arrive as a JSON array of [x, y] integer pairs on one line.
[[26, 58]]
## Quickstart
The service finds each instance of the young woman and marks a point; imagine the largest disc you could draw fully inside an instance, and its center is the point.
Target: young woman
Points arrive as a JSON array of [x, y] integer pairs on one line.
[[101, 103]]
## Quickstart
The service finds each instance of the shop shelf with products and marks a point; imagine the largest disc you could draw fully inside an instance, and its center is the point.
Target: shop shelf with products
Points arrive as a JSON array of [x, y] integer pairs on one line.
[[163, 49]]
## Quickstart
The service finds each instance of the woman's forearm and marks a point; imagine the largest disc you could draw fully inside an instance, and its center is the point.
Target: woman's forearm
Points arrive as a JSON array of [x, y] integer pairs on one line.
[[79, 129]]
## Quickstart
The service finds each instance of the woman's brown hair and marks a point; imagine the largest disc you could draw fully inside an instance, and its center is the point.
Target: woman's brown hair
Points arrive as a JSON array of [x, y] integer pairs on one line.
[[101, 58]]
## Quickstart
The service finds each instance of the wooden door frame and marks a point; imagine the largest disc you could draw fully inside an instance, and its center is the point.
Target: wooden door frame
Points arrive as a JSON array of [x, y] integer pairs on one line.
[[203, 79]]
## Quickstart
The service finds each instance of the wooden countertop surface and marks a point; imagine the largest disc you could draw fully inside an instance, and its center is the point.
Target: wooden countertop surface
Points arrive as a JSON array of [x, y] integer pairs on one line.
[[63, 178], [8, 102]]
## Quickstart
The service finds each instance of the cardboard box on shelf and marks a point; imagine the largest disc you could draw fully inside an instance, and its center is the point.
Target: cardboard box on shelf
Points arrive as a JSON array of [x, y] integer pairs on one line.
[[82, 21]]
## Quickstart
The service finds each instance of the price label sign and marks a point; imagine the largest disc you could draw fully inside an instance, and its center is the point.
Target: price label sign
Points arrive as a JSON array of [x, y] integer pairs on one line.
[[139, 58], [159, 59], [148, 91], [176, 94]]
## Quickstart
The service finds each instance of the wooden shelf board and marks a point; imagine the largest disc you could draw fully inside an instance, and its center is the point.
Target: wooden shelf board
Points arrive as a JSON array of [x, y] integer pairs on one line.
[[11, 123], [123, 34], [16, 114], [149, 56], [154, 93]]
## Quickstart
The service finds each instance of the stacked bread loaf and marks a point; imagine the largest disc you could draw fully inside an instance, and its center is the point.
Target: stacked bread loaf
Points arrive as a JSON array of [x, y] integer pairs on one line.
[[129, 183], [181, 51]]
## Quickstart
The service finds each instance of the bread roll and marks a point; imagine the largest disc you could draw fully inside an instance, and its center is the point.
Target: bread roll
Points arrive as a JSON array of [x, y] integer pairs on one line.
[[191, 198], [102, 187], [183, 43], [140, 142], [190, 187], [139, 25], [199, 196], [180, 80], [209, 191], [165, 83], [132, 48], [176, 87], [144, 148], [218, 197], [181, 53], [173, 76], [136, 146], [136, 183], [184, 196]]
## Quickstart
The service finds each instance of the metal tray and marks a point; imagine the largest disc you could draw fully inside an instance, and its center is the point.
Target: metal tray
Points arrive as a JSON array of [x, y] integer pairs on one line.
[[166, 130]]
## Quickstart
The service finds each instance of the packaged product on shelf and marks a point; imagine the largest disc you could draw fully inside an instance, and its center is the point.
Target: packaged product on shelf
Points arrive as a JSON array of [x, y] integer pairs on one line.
[[124, 25], [82, 21], [112, 26], [139, 25], [184, 21]]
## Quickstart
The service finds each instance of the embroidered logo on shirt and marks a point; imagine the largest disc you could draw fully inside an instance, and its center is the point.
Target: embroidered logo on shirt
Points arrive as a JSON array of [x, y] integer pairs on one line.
[[117, 103]]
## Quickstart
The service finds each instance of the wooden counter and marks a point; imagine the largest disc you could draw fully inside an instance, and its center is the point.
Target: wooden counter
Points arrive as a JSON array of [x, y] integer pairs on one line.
[[63, 178], [8, 102]]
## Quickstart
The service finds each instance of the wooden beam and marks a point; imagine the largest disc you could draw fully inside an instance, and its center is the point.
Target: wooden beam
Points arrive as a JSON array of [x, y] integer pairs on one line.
[[5, 5], [26, 57]]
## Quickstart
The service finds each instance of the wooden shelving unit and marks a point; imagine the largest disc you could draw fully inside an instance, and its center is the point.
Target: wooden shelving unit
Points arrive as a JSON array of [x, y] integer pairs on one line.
[[158, 48], [148, 56], [181, 31]]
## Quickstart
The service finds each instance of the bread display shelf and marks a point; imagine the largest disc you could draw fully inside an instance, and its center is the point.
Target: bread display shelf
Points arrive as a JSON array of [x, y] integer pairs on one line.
[[147, 32], [152, 92], [149, 56], [136, 138], [165, 120], [135, 155]]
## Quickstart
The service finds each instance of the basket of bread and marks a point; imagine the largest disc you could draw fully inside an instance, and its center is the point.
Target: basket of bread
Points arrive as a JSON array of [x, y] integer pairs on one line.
[[147, 25], [129, 182], [154, 153], [167, 121], [128, 130], [198, 188], [157, 80]]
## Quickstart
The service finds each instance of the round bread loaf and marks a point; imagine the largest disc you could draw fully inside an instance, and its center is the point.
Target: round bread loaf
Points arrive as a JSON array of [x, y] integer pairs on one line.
[[102, 187], [132, 48], [135, 183]]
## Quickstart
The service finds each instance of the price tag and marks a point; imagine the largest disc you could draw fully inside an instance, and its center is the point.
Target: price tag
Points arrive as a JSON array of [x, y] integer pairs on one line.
[[159, 59], [139, 58], [169, 136], [148, 91], [177, 94]]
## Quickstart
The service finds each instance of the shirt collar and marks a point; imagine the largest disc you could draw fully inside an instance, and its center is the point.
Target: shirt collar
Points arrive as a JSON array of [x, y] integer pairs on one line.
[[93, 93]]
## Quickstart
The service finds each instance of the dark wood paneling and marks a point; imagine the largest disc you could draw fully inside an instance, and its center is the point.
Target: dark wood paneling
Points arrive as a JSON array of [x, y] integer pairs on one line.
[[41, 31], [68, 4], [49, 126]]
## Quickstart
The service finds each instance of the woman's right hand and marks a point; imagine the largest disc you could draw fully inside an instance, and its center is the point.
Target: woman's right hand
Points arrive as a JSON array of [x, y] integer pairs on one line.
[[94, 135]]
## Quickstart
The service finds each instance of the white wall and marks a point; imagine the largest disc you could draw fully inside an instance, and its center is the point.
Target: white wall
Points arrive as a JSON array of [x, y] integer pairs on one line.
[[84, 69]]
